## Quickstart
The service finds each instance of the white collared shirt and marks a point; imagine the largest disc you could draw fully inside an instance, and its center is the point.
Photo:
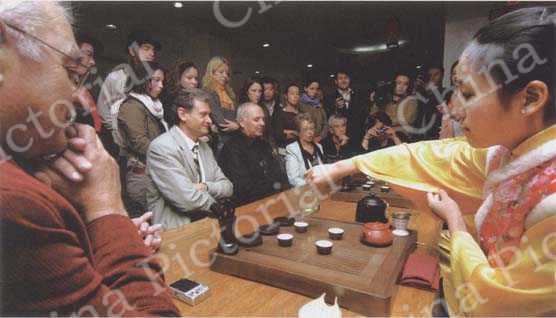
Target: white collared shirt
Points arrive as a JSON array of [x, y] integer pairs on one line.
[[190, 144]]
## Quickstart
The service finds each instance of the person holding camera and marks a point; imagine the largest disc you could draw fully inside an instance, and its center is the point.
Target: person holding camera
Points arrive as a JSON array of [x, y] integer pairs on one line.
[[379, 133], [396, 102]]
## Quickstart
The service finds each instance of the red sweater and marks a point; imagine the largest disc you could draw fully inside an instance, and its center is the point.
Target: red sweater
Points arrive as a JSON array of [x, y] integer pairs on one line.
[[54, 264]]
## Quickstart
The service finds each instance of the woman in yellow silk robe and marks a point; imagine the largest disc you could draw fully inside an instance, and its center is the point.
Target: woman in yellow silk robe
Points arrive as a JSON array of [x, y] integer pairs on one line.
[[502, 257]]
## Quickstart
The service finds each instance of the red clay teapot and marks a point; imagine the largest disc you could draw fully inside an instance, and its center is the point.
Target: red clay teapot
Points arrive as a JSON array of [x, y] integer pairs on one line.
[[377, 234]]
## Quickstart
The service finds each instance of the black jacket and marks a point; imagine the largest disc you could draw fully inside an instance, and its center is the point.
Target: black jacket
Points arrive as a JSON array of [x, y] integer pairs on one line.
[[356, 114], [252, 168]]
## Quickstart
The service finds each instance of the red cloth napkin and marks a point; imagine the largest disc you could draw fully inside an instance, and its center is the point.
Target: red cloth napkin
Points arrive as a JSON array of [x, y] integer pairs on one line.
[[421, 270]]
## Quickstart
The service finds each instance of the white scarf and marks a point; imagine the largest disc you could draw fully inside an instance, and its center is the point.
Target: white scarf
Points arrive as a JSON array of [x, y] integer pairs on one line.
[[153, 106]]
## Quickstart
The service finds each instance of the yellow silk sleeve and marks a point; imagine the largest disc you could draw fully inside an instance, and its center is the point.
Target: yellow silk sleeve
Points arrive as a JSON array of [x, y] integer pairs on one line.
[[526, 287], [449, 164]]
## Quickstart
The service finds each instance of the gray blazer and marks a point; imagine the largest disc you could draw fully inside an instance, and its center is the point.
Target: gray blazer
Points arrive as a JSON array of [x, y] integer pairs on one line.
[[171, 195], [295, 166]]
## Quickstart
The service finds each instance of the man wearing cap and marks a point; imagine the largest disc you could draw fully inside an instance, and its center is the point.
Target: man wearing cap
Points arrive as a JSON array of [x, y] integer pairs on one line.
[[141, 47]]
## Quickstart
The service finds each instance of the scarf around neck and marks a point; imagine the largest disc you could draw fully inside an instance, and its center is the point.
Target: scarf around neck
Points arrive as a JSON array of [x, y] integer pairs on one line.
[[153, 106], [313, 101]]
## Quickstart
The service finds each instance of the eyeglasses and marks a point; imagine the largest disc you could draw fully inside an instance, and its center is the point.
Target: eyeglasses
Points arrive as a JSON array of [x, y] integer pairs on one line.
[[74, 61]]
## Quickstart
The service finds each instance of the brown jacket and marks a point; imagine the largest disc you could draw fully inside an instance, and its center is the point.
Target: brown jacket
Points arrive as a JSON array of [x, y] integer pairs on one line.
[[137, 127], [55, 264]]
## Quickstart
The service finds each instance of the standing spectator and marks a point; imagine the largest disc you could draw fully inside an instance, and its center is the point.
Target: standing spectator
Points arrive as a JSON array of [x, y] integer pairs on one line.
[[343, 101], [185, 178], [429, 117], [313, 105], [450, 127], [270, 98], [184, 75], [141, 47], [305, 153], [140, 120], [88, 46], [68, 246], [252, 92], [336, 145], [248, 161], [216, 81], [400, 106], [283, 121]]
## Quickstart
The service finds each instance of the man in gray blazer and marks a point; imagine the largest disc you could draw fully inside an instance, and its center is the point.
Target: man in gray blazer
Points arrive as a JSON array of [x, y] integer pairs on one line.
[[185, 179]]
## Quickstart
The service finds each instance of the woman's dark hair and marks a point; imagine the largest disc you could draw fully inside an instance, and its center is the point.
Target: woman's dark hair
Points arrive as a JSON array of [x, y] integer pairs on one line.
[[139, 81], [174, 78], [310, 81], [287, 87], [531, 30], [244, 97]]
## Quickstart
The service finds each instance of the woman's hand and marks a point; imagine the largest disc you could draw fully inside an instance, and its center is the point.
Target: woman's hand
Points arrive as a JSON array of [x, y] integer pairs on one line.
[[330, 174], [447, 209], [229, 125]]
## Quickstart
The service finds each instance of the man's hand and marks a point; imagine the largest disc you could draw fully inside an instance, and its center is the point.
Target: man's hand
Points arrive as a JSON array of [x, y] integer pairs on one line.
[[340, 102], [86, 175], [149, 233], [447, 209], [201, 187]]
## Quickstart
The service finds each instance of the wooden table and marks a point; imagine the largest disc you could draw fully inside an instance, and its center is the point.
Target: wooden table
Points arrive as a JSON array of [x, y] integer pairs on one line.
[[185, 254]]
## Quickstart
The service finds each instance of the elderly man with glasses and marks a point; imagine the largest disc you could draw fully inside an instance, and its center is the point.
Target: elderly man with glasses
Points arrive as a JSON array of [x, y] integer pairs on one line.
[[68, 246]]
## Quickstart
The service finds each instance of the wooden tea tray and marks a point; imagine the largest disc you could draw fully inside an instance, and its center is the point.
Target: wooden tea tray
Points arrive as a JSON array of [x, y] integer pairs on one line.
[[362, 277]]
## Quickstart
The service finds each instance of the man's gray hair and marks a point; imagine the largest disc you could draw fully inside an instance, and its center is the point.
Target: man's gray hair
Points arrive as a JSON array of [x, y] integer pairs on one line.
[[32, 16], [334, 118], [243, 110]]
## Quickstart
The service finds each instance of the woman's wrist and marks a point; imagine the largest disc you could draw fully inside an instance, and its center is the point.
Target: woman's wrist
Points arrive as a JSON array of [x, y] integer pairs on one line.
[[456, 223]]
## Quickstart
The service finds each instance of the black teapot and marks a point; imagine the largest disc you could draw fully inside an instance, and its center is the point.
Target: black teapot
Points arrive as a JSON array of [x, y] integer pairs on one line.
[[371, 209]]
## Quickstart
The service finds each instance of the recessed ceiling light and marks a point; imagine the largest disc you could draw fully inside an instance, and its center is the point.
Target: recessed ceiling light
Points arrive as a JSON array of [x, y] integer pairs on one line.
[[309, 65], [266, 45], [111, 26], [178, 4], [332, 75], [257, 72]]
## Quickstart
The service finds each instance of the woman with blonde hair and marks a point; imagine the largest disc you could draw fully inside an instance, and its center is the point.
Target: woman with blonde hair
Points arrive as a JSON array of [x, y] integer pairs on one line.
[[216, 82]]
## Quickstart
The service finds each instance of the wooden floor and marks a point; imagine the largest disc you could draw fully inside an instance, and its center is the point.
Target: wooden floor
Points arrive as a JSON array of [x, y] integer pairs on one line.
[[185, 254]]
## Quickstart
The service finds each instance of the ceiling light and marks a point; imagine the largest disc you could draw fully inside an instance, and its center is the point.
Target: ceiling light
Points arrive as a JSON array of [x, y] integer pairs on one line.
[[178, 4], [111, 26], [266, 45], [257, 72], [309, 65], [332, 75]]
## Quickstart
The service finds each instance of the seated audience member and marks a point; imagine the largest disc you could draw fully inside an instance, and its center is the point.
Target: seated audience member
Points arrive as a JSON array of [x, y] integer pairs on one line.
[[184, 75], [311, 104], [379, 133], [252, 92], [140, 120], [495, 189], [216, 81], [336, 145], [429, 116], [270, 100], [185, 178], [402, 119], [68, 246], [304, 153], [283, 121], [248, 161], [141, 47]]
